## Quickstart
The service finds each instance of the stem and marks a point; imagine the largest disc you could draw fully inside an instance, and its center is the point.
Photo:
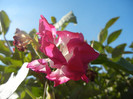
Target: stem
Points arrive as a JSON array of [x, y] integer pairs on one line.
[[29, 93], [37, 54], [22, 55], [45, 86], [7, 43]]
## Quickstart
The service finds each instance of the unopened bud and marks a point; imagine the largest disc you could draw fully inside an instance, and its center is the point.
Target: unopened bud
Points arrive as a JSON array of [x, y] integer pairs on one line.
[[21, 39], [91, 74]]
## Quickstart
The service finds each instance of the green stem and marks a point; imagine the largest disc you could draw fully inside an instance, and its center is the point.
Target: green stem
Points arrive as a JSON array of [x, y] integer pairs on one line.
[[37, 54], [45, 86], [29, 93], [22, 55], [7, 43]]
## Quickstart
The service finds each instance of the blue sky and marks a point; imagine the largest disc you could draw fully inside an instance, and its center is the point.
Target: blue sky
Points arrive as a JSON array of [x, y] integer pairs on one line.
[[92, 16]]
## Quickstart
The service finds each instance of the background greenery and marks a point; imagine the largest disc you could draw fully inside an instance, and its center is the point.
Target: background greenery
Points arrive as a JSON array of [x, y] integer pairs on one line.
[[110, 75]]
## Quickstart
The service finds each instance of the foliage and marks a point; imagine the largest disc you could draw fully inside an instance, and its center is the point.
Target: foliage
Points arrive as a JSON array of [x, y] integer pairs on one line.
[[113, 71]]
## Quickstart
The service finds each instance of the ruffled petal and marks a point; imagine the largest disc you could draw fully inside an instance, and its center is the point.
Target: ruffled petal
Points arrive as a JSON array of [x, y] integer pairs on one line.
[[86, 52], [39, 65], [85, 78], [75, 68], [44, 25], [66, 36], [58, 77], [53, 52]]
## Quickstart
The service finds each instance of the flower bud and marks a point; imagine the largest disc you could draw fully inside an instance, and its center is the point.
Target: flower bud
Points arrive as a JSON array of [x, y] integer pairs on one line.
[[91, 75], [21, 39]]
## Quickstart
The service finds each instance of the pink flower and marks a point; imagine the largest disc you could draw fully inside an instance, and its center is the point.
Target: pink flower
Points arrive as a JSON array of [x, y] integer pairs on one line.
[[68, 54]]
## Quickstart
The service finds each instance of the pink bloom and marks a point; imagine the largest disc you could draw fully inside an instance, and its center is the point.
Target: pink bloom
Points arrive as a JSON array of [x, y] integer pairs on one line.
[[67, 53]]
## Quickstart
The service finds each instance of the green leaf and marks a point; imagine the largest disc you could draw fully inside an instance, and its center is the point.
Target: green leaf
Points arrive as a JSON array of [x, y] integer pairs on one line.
[[5, 60], [32, 33], [23, 93], [10, 69], [103, 35], [118, 50], [102, 58], [68, 18], [109, 49], [111, 22], [2, 68], [131, 46], [64, 26], [53, 19], [5, 21], [125, 65], [113, 36], [4, 49], [29, 93], [121, 64], [28, 58], [98, 46]]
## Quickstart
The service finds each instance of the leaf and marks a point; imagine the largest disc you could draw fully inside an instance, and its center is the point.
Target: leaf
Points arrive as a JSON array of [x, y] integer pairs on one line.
[[125, 65], [113, 36], [32, 33], [2, 68], [102, 58], [109, 49], [4, 49], [10, 69], [5, 21], [98, 46], [111, 22], [131, 46], [29, 93], [103, 35], [28, 58], [118, 50], [121, 64], [53, 19], [68, 18], [23, 93], [5, 60]]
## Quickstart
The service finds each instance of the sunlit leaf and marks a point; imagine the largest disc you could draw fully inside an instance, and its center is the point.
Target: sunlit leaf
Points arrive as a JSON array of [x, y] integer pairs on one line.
[[5, 21], [111, 22], [131, 46], [103, 35], [33, 33], [118, 50], [22, 95], [53, 19], [109, 49], [68, 18], [28, 58], [4, 49], [5, 60], [98, 46], [113, 36]]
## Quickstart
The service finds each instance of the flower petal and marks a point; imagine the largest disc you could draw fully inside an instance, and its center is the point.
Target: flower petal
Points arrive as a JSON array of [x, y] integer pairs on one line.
[[75, 68], [39, 65], [66, 36], [86, 52], [45, 26], [53, 53], [58, 77]]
